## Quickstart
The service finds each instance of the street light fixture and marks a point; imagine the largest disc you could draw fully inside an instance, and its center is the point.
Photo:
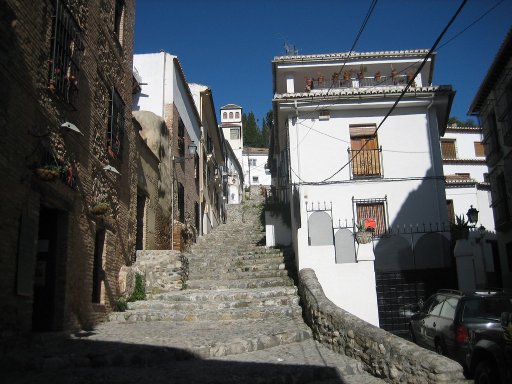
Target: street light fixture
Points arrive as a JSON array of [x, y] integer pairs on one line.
[[472, 215]]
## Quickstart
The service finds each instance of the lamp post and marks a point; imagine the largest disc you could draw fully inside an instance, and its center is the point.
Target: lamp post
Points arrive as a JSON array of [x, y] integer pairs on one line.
[[472, 215]]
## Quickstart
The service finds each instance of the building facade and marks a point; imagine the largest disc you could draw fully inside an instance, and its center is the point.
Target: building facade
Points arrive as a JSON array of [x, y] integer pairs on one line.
[[467, 175], [232, 128], [212, 202], [254, 163], [165, 92], [67, 160], [341, 161], [493, 106]]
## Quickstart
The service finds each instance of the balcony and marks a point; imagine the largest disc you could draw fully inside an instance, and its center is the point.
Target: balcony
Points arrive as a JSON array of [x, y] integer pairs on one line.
[[320, 83], [365, 163]]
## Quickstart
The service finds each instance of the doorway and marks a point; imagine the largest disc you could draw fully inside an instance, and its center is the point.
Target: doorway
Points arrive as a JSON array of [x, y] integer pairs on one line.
[[48, 260]]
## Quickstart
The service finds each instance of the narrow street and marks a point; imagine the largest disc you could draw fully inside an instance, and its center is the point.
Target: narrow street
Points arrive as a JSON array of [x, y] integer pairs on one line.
[[238, 320]]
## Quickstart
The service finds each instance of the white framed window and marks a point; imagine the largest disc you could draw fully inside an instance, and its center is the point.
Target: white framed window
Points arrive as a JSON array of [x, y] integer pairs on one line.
[[234, 133]]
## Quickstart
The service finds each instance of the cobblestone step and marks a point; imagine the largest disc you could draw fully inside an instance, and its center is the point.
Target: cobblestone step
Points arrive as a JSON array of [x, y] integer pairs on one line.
[[287, 300], [196, 314], [237, 275], [240, 283], [226, 295]]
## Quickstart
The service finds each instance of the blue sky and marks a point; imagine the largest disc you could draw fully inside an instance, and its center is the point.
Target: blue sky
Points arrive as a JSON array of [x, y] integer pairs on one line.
[[229, 45]]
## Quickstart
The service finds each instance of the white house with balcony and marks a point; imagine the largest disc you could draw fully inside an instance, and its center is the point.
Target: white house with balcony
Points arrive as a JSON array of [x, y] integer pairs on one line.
[[338, 163], [467, 174]]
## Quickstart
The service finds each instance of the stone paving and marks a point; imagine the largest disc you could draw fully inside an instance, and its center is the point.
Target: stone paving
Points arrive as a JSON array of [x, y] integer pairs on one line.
[[237, 321]]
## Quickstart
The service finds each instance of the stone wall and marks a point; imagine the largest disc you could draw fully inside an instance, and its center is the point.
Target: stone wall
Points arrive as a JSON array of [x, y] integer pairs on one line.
[[382, 353], [31, 115]]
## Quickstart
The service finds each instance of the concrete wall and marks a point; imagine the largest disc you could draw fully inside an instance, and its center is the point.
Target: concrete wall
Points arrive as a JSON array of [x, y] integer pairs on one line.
[[383, 354]]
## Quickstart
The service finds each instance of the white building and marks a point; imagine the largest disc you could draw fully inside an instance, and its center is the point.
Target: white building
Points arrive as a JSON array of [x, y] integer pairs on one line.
[[232, 128], [234, 176], [254, 164], [466, 174], [337, 162]]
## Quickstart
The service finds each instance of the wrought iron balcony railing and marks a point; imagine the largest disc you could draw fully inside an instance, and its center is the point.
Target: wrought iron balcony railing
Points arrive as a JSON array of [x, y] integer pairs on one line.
[[366, 162]]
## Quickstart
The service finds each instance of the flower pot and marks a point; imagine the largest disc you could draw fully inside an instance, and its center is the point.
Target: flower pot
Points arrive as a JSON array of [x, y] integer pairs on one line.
[[47, 174], [100, 209], [363, 237]]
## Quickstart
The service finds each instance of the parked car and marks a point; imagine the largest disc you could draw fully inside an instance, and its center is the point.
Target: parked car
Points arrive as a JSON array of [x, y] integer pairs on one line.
[[444, 322], [489, 357]]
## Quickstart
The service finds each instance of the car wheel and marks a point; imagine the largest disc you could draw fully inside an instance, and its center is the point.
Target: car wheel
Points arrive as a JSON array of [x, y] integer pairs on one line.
[[411, 334], [485, 373], [439, 347]]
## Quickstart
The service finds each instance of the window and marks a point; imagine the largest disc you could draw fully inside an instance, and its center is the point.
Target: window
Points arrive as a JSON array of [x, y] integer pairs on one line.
[[97, 272], [64, 59], [115, 132], [119, 20], [234, 134], [230, 115], [435, 308], [448, 149], [463, 175], [255, 179], [479, 149], [237, 115], [491, 142], [448, 310], [372, 209], [181, 137], [499, 199], [224, 115], [364, 151], [252, 162], [451, 211], [181, 202]]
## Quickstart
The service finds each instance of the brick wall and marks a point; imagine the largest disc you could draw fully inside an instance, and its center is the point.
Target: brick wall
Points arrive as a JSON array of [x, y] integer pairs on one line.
[[30, 115]]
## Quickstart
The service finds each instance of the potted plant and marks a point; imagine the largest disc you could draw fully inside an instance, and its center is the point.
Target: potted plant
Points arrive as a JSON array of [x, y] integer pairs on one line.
[[346, 75], [377, 76], [100, 208], [460, 229], [48, 172], [363, 234]]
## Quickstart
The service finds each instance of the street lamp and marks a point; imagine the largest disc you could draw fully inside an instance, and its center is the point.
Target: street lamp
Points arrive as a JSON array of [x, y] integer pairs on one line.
[[472, 215]]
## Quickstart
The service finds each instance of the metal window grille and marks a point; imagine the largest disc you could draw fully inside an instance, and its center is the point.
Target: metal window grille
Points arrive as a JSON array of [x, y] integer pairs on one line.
[[64, 59], [372, 209], [115, 131]]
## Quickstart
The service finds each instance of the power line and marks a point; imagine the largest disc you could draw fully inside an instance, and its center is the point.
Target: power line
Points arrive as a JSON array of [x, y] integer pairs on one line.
[[406, 88]]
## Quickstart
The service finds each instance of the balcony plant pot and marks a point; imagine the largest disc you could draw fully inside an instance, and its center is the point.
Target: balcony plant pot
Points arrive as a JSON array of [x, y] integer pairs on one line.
[[100, 208], [363, 237], [47, 173]]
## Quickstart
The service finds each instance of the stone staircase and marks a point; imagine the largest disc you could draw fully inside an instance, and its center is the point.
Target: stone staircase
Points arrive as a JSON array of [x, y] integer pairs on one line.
[[230, 279]]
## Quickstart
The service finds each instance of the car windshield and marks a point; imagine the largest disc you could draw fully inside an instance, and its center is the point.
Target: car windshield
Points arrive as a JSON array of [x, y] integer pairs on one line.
[[482, 309]]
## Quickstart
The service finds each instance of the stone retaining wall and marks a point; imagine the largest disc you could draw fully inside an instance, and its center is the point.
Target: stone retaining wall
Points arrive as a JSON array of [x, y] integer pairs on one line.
[[382, 353]]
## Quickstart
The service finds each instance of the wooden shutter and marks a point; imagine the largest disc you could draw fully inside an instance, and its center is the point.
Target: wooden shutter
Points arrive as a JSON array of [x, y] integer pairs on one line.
[[448, 149], [479, 149]]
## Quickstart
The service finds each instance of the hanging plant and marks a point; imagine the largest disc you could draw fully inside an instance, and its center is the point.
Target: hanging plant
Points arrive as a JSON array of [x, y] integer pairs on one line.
[[48, 172], [364, 234], [100, 208]]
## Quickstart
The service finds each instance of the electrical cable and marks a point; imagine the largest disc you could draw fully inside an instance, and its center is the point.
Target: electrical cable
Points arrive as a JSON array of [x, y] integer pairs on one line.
[[406, 88]]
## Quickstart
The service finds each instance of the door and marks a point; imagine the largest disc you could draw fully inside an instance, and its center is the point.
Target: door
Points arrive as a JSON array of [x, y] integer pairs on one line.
[[366, 162], [43, 309]]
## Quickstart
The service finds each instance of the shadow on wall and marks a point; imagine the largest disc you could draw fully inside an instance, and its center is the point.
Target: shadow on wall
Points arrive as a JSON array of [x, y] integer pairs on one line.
[[73, 360], [419, 243]]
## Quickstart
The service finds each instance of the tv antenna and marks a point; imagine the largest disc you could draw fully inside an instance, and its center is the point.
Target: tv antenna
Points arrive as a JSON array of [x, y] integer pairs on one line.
[[290, 49]]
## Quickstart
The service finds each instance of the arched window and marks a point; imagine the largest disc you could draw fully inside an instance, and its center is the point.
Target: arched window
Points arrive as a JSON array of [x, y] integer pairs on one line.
[[237, 115], [225, 115], [230, 115]]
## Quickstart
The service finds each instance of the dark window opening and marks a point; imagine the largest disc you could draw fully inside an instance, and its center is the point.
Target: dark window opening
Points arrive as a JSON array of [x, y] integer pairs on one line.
[[181, 137], [451, 211], [97, 272], [64, 58], [115, 131], [181, 202]]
